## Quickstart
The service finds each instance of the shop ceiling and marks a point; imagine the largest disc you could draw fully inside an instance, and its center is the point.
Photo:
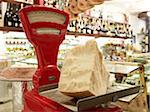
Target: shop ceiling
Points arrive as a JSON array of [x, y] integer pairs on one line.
[[129, 6]]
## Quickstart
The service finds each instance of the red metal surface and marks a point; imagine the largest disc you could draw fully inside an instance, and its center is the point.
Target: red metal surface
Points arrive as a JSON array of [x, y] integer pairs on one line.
[[39, 2], [36, 103], [46, 47]]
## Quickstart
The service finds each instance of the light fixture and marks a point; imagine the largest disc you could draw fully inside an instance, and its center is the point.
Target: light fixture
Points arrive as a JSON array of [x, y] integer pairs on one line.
[[148, 13]]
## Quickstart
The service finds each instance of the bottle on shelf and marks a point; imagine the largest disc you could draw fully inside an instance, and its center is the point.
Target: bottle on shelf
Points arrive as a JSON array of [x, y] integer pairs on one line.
[[129, 31], [92, 25], [121, 31], [16, 21], [7, 14], [79, 26], [10, 17], [104, 27], [1, 21], [72, 26], [112, 28]]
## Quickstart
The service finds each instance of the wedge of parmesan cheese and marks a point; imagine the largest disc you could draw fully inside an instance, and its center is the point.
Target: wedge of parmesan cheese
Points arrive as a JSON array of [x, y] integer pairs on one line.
[[83, 73]]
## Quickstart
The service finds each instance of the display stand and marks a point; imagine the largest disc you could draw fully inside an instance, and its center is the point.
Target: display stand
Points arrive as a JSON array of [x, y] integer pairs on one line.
[[128, 69], [19, 87]]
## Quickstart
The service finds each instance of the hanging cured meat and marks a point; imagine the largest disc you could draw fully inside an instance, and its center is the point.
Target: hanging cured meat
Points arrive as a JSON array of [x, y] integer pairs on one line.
[[95, 2], [73, 7], [84, 5]]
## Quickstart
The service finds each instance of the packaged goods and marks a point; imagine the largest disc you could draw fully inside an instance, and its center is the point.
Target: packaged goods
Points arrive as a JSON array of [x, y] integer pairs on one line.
[[83, 73]]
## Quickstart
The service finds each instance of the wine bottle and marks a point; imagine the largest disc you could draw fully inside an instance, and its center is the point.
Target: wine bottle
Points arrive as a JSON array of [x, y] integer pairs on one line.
[[0, 10], [129, 31], [79, 26], [112, 25], [6, 16], [1, 18], [13, 15], [74, 26], [100, 26], [10, 16], [69, 27], [16, 21], [121, 30]]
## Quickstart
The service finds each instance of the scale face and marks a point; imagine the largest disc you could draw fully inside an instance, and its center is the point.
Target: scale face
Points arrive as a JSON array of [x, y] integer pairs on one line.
[[45, 28]]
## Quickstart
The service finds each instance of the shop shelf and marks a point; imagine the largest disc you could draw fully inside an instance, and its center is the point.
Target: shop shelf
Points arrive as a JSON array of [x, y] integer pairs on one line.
[[16, 2], [95, 35], [11, 29], [68, 33]]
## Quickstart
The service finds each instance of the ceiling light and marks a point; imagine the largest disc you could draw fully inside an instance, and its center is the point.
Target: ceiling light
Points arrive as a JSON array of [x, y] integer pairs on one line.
[[148, 14]]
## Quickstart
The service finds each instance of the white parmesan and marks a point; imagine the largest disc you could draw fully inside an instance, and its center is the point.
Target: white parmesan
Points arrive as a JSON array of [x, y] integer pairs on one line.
[[83, 72]]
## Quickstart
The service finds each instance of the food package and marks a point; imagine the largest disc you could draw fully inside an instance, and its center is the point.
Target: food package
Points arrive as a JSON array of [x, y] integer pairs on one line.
[[83, 5], [83, 73], [95, 2]]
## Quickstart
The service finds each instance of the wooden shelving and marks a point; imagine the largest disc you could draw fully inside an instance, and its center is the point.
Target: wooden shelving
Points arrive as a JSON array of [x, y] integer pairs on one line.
[[115, 22], [16, 2], [7, 29], [95, 35]]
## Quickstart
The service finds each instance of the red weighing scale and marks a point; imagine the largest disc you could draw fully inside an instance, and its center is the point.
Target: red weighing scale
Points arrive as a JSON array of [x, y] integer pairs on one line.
[[45, 28]]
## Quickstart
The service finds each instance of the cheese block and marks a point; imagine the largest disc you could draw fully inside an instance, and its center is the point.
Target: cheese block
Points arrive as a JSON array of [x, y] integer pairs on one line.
[[83, 73]]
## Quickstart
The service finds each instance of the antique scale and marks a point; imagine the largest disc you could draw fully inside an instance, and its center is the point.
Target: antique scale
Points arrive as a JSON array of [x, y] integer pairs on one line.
[[45, 28]]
